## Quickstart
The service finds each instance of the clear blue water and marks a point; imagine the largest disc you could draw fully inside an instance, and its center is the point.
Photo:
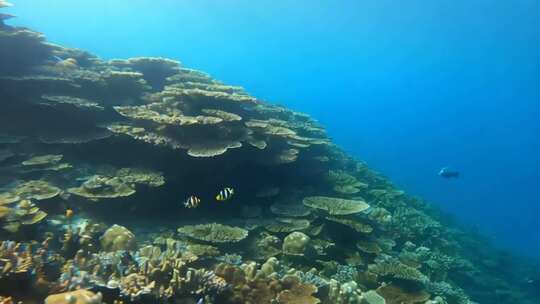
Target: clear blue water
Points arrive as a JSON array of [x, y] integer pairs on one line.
[[408, 88]]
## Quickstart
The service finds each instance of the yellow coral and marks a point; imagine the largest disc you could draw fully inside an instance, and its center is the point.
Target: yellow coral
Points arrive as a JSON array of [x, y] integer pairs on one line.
[[80, 296]]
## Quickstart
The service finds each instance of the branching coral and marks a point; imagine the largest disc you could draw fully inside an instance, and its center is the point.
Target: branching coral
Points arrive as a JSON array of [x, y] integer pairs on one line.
[[17, 258], [452, 294], [346, 293], [249, 284]]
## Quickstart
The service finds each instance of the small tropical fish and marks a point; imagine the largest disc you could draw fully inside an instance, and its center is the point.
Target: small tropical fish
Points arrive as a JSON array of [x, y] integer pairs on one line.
[[225, 194], [69, 213], [192, 202]]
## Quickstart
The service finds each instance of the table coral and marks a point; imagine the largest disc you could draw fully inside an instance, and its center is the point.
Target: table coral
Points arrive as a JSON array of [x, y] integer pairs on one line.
[[34, 189], [214, 233], [345, 183], [356, 225], [99, 187], [335, 206]]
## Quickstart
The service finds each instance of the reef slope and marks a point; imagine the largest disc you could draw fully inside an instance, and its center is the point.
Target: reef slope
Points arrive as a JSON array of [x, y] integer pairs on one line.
[[98, 157]]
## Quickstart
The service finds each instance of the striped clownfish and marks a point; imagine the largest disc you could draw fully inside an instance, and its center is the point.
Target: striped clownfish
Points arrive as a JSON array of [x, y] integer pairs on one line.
[[192, 202], [225, 194]]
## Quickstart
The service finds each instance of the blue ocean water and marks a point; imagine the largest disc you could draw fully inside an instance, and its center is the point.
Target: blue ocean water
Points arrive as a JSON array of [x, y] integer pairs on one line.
[[408, 87]]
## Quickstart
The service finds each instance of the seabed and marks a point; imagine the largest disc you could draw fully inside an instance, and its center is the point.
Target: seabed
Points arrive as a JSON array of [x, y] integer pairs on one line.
[[98, 158]]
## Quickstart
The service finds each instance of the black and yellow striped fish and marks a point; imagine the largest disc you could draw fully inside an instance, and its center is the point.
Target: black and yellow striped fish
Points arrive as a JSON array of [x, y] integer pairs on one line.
[[225, 194], [192, 202]]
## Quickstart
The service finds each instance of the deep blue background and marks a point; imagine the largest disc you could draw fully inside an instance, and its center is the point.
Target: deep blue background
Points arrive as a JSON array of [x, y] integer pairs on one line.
[[408, 86]]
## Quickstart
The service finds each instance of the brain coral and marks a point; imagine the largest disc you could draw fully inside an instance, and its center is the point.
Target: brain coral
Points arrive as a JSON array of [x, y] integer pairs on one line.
[[118, 238], [296, 243]]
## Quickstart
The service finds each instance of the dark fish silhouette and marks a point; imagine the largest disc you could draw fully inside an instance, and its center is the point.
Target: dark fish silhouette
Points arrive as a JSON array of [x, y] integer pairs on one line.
[[447, 173]]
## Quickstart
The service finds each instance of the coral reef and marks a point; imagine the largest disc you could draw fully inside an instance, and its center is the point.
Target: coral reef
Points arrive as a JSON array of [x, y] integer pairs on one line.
[[89, 147]]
